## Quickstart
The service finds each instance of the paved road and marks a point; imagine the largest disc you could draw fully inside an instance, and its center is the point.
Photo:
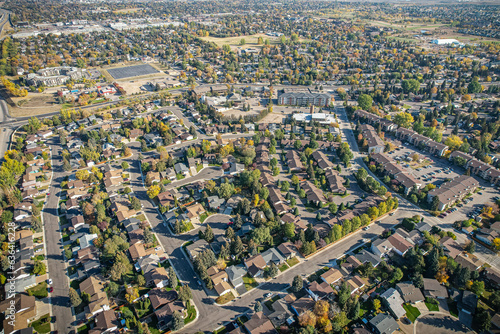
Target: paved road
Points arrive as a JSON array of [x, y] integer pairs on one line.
[[56, 264], [207, 173]]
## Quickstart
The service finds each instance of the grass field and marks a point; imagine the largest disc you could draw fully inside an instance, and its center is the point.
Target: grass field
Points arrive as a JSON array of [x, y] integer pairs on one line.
[[249, 282], [411, 312], [251, 40], [432, 307], [42, 325], [293, 261]]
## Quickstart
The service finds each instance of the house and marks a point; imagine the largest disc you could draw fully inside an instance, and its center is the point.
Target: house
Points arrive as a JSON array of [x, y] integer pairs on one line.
[[365, 257], [332, 276], [467, 302], [302, 305], [99, 302], [196, 248], [450, 247], [22, 309], [160, 297], [452, 191], [195, 211], [214, 202], [319, 290], [313, 194], [410, 293], [77, 221], [157, 277], [222, 288], [487, 235], [260, 324], [400, 244], [86, 240], [287, 249], [433, 289], [469, 261], [181, 168], [147, 262], [255, 265], [493, 276], [383, 323], [235, 275], [281, 313], [381, 247], [394, 302], [355, 283], [375, 143], [165, 314], [106, 322], [273, 256]]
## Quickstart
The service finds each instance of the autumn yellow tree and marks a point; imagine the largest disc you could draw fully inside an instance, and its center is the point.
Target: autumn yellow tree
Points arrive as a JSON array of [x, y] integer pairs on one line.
[[307, 319], [153, 191]]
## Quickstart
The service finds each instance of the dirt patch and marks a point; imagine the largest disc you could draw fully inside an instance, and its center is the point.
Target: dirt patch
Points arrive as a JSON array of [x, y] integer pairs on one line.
[[239, 112], [274, 118], [250, 40], [126, 10]]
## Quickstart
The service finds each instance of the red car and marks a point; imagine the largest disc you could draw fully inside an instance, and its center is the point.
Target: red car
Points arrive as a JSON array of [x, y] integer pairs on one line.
[[230, 222], [51, 289]]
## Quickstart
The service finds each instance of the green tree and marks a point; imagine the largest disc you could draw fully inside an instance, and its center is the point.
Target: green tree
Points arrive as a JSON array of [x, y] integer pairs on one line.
[[410, 86], [404, 119], [177, 321], [74, 298], [365, 101], [297, 283]]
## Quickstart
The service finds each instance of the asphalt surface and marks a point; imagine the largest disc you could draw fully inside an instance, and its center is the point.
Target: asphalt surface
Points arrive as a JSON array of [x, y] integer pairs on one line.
[[59, 299]]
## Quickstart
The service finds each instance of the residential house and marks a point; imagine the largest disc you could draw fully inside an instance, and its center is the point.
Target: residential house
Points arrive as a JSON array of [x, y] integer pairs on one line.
[[410, 293], [400, 244], [99, 302], [302, 305], [394, 302], [319, 290], [273, 256], [255, 265], [259, 324], [106, 322], [196, 248], [235, 275], [433, 289], [288, 250], [332, 276], [383, 323], [157, 277], [165, 314], [22, 309]]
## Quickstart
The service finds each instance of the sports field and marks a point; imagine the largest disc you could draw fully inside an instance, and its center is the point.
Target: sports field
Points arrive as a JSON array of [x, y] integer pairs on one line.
[[131, 71]]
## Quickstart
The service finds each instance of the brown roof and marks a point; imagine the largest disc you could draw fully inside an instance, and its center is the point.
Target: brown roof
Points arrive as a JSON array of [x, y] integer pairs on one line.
[[137, 251], [260, 324], [332, 275], [256, 260], [160, 297], [106, 319]]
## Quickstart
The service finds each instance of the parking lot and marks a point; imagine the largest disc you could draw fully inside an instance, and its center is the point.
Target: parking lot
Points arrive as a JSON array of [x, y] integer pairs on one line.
[[426, 168]]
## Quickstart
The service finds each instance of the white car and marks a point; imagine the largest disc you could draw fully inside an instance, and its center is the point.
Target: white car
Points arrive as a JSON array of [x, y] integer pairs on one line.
[[49, 281]]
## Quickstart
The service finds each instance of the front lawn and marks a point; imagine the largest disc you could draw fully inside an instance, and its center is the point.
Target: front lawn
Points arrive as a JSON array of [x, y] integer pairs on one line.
[[249, 282], [412, 313], [39, 291], [203, 216], [225, 298], [42, 325], [432, 307], [179, 176], [284, 267], [293, 261], [191, 313]]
